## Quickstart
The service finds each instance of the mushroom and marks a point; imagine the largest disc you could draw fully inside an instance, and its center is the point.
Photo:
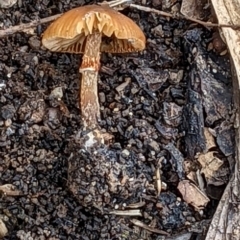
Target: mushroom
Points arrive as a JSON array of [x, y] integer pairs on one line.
[[91, 30]]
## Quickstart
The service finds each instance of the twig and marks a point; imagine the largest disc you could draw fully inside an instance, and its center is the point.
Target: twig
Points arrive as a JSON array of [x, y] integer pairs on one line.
[[132, 212], [206, 24], [150, 229], [158, 181], [26, 26]]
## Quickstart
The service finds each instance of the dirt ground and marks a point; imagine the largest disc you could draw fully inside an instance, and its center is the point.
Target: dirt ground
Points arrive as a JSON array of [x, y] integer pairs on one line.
[[157, 105]]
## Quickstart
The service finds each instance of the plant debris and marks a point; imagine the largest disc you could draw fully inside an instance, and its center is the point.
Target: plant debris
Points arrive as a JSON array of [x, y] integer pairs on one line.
[[168, 107]]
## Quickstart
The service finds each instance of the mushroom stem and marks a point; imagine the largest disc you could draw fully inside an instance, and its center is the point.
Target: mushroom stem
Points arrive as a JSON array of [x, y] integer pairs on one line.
[[89, 92]]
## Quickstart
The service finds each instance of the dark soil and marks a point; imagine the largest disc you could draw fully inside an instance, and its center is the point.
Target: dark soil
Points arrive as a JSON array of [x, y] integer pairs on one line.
[[154, 103]]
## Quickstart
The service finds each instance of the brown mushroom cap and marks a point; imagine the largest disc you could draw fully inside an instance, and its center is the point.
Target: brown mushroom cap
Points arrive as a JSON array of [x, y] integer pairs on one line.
[[68, 33]]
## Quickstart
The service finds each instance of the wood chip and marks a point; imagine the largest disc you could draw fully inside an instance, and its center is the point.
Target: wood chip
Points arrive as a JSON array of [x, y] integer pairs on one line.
[[9, 190], [209, 138], [3, 229], [193, 195], [122, 86], [210, 164]]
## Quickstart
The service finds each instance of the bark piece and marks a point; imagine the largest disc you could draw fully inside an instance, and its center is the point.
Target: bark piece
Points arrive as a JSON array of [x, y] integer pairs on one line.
[[194, 124], [225, 139], [176, 159], [207, 92], [172, 114]]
